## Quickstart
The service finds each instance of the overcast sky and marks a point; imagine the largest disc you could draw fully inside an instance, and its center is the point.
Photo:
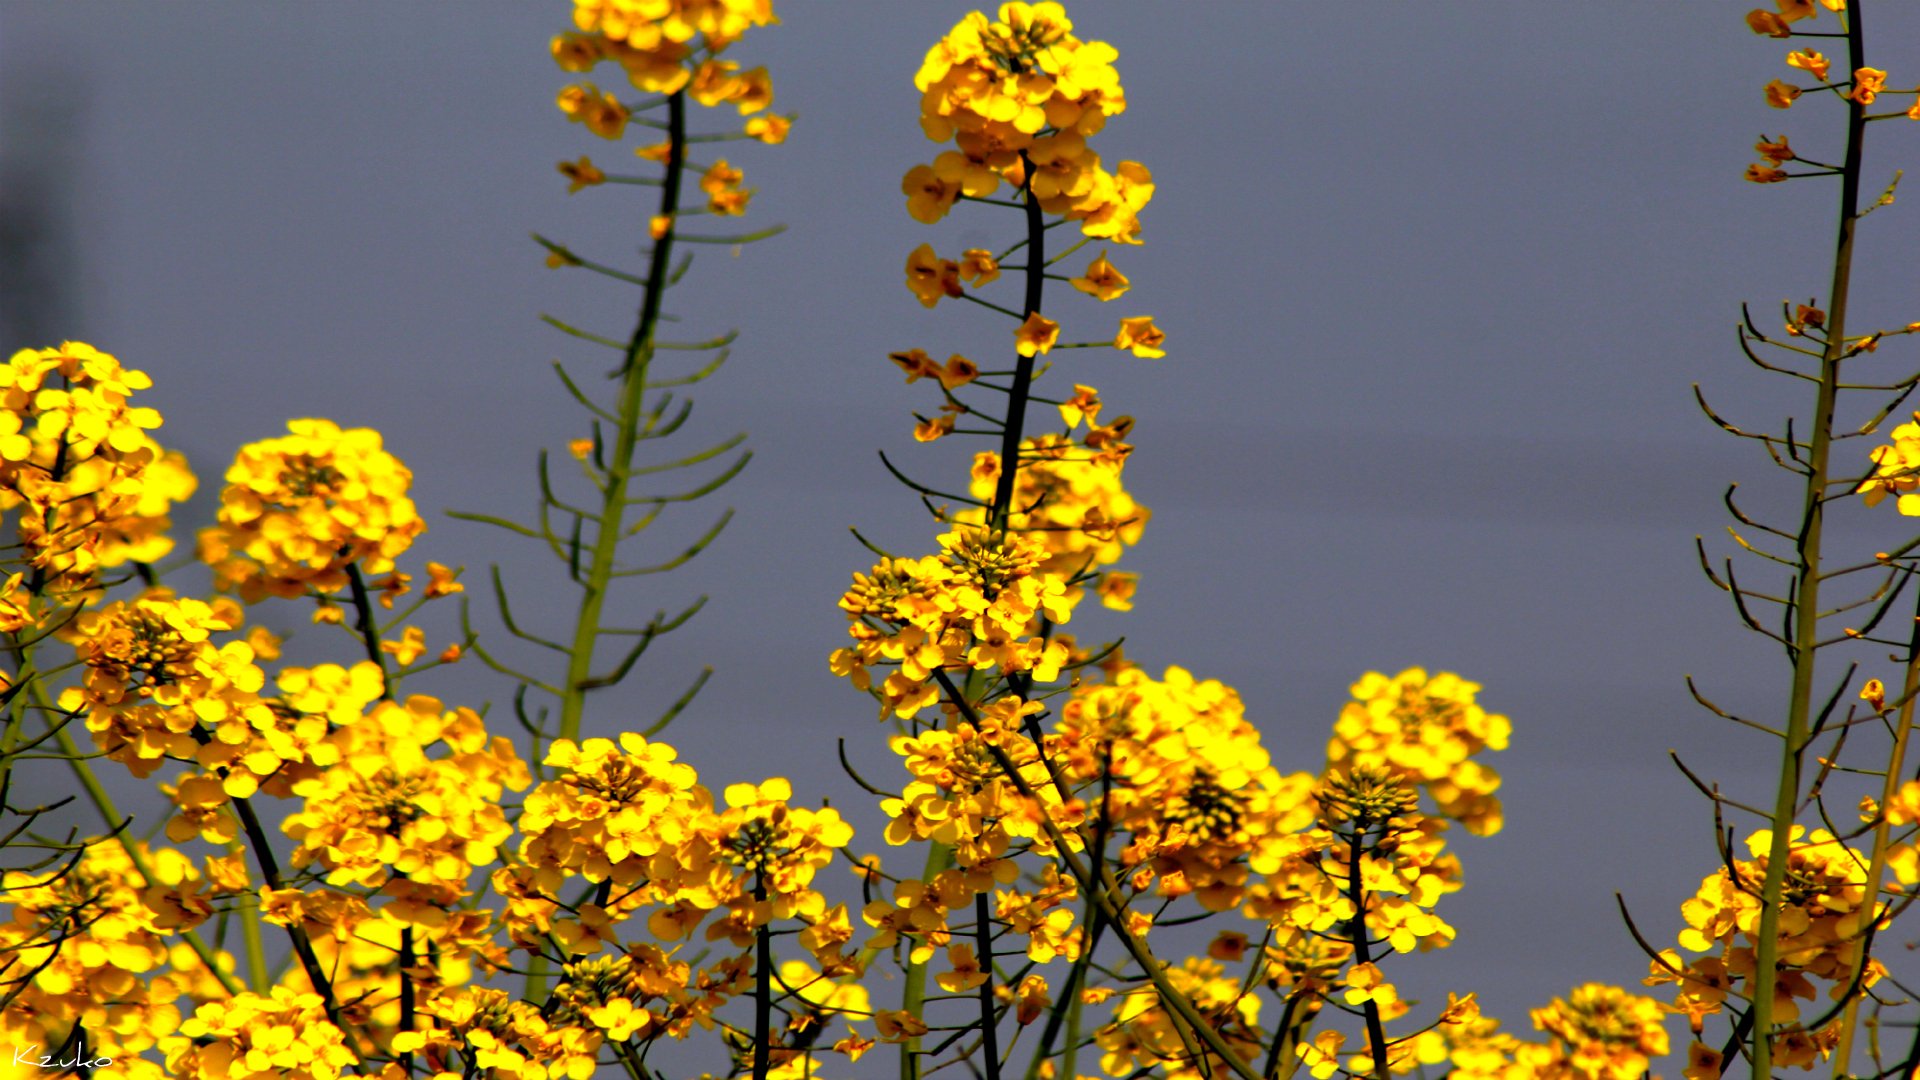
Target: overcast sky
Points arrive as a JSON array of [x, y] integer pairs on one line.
[[1435, 278]]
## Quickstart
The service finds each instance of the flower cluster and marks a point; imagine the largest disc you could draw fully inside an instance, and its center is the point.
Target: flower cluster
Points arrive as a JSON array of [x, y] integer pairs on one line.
[[1896, 470], [620, 813], [1184, 777], [1019, 96], [157, 686], [98, 942], [386, 816], [1068, 495], [1367, 830], [488, 1032], [284, 1036], [91, 487], [666, 47], [1143, 1033], [1427, 729], [1596, 1032], [301, 509], [975, 606], [1825, 908]]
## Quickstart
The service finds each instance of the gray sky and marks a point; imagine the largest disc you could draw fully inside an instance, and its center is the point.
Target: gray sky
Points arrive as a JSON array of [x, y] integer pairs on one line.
[[1435, 277]]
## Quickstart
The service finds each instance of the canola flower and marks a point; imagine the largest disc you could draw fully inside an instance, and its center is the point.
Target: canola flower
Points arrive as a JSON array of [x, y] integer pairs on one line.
[[300, 510]]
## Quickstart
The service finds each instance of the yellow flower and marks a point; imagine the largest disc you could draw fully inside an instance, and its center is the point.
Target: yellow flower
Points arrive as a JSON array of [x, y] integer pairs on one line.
[[299, 509], [1867, 84], [931, 277], [1101, 280], [252, 1036], [1766, 22], [1811, 61], [1763, 174], [771, 130], [1607, 1033], [1141, 336], [966, 973], [1036, 336], [1116, 588], [1780, 95], [978, 267], [582, 173], [725, 197], [929, 196], [575, 52], [916, 363], [413, 642], [659, 225], [1322, 1055], [929, 430], [958, 371], [1776, 150]]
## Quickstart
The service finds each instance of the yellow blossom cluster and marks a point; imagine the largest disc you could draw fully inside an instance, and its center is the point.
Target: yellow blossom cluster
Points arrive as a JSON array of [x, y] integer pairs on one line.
[[1144, 1034], [636, 993], [488, 1033], [91, 487], [666, 47], [974, 606], [774, 849], [1825, 908], [386, 816], [1020, 95], [300, 509], [1779, 22], [961, 796], [1601, 1032], [285, 1036], [157, 686], [1596, 1032], [1368, 828], [1186, 780], [1068, 495], [1896, 470], [98, 941], [620, 813], [1429, 730]]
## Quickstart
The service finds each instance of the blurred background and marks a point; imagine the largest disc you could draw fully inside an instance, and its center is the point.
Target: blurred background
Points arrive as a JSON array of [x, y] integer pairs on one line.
[[1436, 280]]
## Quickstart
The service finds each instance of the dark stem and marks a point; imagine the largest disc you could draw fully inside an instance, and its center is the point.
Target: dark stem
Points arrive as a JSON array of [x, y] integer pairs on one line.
[[762, 977], [369, 634], [302, 947], [1376, 1032], [1023, 365], [983, 946], [658, 265], [406, 992]]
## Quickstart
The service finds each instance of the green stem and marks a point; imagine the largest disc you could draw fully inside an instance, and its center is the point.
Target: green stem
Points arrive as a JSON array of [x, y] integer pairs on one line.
[[1877, 861], [613, 495], [1806, 597], [251, 937]]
